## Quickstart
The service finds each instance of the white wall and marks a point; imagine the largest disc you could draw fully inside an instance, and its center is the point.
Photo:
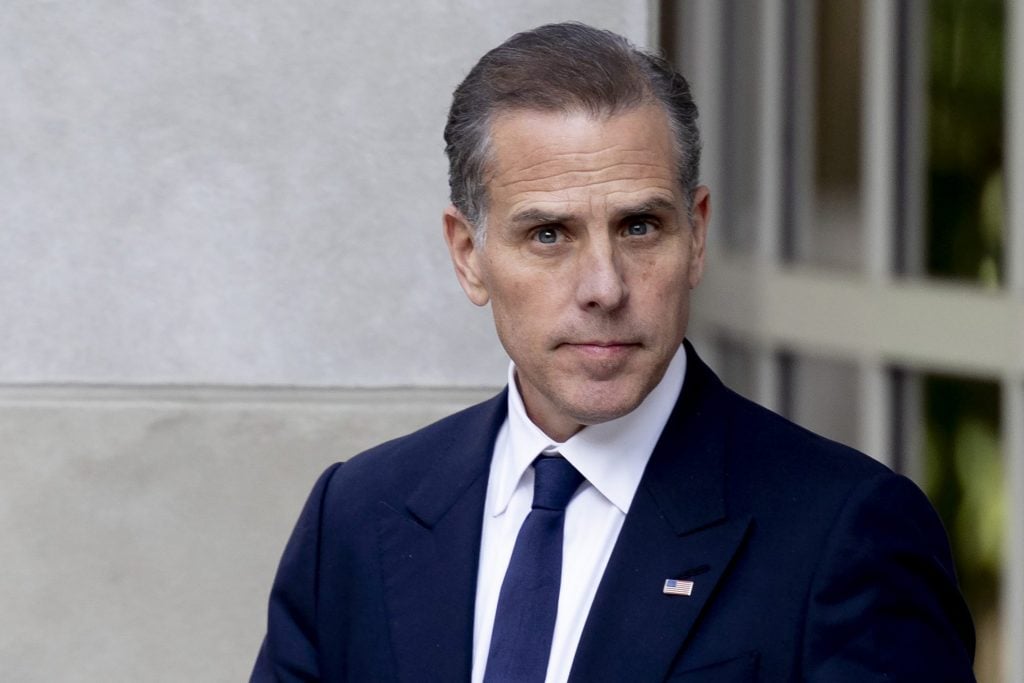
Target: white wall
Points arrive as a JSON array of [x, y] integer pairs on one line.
[[238, 192], [221, 268]]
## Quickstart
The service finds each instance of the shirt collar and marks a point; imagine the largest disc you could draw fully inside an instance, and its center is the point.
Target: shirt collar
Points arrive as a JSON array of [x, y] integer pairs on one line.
[[611, 455]]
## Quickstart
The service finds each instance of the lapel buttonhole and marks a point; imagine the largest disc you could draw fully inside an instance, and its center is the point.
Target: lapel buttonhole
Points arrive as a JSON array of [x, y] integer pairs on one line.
[[695, 571]]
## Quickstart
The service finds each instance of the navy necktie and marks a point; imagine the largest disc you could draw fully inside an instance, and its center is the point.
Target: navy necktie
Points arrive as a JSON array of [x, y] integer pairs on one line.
[[528, 601]]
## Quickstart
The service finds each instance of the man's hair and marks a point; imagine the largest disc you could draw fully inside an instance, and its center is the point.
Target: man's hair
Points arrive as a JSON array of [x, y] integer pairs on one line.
[[569, 67]]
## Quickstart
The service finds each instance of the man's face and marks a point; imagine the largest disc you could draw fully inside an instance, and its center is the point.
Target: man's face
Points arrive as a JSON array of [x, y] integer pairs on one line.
[[588, 262]]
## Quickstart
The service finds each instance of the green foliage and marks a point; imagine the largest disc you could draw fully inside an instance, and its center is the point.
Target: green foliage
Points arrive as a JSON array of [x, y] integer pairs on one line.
[[965, 138], [963, 476]]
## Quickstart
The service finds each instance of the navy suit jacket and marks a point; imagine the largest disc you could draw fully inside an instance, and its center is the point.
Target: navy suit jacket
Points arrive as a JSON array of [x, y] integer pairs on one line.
[[809, 561]]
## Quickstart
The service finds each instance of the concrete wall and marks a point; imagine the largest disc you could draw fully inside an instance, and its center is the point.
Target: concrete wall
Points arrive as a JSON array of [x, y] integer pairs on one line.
[[221, 268]]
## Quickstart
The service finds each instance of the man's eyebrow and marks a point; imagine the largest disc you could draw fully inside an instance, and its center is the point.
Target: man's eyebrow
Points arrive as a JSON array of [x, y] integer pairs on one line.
[[652, 205], [538, 217]]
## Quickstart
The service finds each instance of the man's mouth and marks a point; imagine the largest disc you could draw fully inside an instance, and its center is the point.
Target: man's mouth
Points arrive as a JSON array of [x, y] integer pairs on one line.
[[600, 349]]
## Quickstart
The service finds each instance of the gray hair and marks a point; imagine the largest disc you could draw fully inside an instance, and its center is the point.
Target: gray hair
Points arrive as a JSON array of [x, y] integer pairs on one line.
[[564, 67]]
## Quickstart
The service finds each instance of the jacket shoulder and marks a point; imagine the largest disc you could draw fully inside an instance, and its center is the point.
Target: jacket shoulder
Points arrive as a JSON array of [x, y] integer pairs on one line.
[[756, 432]]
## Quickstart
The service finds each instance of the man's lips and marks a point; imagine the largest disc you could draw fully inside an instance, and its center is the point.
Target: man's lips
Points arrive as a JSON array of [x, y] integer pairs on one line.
[[602, 349]]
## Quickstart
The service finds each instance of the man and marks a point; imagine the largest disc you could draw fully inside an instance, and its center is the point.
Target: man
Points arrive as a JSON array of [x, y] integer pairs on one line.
[[616, 514]]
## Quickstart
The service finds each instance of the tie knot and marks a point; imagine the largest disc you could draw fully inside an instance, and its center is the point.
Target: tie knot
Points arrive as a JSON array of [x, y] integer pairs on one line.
[[555, 480]]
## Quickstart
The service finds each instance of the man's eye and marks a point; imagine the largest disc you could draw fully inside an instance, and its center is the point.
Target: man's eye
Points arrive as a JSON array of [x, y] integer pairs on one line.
[[547, 236], [638, 228]]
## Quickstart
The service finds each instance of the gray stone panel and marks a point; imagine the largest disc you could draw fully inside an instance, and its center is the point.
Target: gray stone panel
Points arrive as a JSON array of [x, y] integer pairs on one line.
[[140, 531]]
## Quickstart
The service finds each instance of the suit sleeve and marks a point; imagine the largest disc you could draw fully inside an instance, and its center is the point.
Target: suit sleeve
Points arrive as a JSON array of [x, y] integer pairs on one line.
[[884, 604], [289, 650]]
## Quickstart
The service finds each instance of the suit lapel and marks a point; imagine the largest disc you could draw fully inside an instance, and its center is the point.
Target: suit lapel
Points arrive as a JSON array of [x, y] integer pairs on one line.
[[677, 528], [430, 551]]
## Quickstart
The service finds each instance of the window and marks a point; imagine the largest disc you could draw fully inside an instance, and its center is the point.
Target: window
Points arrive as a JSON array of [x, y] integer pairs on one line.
[[867, 275]]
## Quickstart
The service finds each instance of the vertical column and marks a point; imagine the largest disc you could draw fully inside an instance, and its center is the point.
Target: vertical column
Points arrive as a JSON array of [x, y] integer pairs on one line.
[[1013, 384], [702, 44], [908, 253], [878, 167], [878, 130], [876, 410], [771, 104], [1014, 146], [909, 433], [1013, 572], [655, 17], [697, 52], [799, 197]]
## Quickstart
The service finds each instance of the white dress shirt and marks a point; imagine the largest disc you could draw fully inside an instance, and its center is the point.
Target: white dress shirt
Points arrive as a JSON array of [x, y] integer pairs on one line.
[[612, 457]]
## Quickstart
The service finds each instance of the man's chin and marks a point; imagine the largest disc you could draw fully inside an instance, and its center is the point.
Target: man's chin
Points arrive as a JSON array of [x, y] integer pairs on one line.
[[591, 412], [578, 399]]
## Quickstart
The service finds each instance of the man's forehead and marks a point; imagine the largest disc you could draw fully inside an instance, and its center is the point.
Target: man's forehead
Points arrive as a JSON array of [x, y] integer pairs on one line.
[[628, 154]]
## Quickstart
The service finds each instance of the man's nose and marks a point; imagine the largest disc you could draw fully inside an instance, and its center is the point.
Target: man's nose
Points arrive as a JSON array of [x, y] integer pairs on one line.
[[601, 280]]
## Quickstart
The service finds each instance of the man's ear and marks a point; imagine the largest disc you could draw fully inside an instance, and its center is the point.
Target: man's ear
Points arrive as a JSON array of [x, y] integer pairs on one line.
[[699, 233], [466, 257]]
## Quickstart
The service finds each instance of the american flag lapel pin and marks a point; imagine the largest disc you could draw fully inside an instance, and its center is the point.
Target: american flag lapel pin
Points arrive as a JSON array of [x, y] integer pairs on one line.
[[677, 587]]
